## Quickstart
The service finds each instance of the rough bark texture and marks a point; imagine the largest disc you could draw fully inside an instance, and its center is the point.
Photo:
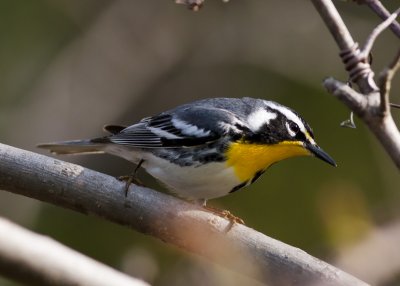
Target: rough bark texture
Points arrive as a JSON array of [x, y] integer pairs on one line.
[[167, 218]]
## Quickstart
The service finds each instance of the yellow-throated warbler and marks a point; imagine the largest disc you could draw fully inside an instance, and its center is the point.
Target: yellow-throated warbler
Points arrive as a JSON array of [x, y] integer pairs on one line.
[[208, 148]]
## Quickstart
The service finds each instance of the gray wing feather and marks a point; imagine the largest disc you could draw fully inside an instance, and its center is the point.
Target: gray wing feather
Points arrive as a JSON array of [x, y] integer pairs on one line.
[[180, 127]]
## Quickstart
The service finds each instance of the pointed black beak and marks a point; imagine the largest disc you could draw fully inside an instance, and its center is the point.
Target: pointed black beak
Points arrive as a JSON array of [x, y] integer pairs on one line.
[[319, 153]]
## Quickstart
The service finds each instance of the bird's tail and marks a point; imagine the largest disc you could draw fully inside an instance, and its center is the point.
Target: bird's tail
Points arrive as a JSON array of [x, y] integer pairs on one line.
[[74, 147]]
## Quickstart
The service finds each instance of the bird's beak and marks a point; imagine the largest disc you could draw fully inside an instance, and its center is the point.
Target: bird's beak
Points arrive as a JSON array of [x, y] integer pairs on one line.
[[319, 153]]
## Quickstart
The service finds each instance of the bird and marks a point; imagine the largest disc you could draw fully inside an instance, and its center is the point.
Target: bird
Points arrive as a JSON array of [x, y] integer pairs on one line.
[[207, 148]]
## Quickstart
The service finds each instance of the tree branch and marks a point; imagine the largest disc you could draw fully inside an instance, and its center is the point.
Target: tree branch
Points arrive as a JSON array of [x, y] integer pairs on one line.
[[355, 61], [377, 31], [164, 217], [353, 99], [385, 79], [383, 13], [367, 103], [37, 260], [194, 5]]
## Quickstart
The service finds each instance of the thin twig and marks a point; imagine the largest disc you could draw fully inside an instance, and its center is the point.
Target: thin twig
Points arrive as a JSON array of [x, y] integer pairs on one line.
[[385, 81], [383, 13], [38, 260], [194, 5], [355, 62], [335, 23], [377, 31], [165, 217]]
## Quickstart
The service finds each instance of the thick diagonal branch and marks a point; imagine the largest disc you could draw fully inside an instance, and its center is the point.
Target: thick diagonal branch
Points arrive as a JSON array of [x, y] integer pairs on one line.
[[164, 217]]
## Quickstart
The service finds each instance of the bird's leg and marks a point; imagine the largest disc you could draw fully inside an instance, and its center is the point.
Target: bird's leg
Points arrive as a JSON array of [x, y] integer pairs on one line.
[[222, 213], [132, 178]]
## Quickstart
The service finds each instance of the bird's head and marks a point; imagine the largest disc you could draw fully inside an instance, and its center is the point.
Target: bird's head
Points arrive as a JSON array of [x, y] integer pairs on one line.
[[280, 127]]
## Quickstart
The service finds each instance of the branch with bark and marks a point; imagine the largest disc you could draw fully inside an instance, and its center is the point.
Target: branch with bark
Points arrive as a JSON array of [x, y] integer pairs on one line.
[[38, 260], [371, 102], [382, 12], [165, 217]]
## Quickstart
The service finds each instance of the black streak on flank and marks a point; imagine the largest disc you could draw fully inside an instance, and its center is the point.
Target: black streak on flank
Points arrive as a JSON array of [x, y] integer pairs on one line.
[[238, 187], [257, 175]]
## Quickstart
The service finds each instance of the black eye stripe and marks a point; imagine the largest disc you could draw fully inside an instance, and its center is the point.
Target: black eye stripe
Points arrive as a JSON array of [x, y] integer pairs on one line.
[[300, 136], [311, 133]]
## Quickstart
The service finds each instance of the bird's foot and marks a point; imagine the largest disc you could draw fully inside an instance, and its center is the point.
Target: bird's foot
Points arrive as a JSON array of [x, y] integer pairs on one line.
[[129, 179], [225, 214]]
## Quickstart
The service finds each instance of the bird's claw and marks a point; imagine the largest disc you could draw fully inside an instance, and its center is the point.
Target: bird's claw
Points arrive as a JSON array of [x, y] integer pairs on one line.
[[226, 214], [129, 179]]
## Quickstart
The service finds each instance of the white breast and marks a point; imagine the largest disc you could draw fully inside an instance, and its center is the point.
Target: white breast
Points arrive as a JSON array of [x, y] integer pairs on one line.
[[202, 182], [191, 182]]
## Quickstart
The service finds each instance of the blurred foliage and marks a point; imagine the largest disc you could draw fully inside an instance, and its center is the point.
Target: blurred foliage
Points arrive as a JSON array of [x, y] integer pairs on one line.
[[164, 56], [32, 33]]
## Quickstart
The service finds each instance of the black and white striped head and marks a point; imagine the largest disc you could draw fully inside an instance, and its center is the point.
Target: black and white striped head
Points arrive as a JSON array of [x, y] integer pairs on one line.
[[273, 123]]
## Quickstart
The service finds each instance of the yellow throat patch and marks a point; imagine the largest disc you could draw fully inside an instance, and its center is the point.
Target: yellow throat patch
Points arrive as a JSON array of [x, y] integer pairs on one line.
[[247, 159]]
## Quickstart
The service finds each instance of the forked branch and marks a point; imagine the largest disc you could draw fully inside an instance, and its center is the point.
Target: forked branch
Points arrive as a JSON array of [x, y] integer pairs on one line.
[[382, 12], [371, 103]]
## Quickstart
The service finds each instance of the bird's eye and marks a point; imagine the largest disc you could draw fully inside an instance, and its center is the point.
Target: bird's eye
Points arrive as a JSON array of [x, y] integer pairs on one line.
[[294, 127]]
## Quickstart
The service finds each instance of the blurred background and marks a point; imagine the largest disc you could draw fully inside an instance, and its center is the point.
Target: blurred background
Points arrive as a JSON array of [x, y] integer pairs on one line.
[[67, 67]]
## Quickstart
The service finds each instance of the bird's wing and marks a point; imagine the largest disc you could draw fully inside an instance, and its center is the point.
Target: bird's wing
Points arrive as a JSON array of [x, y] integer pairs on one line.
[[182, 127]]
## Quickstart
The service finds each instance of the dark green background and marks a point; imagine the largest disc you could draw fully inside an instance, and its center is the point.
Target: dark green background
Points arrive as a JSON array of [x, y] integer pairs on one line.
[[69, 67]]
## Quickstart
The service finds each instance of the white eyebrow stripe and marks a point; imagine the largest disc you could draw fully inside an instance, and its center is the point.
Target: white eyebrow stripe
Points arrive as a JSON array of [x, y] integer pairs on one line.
[[289, 114], [260, 117]]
